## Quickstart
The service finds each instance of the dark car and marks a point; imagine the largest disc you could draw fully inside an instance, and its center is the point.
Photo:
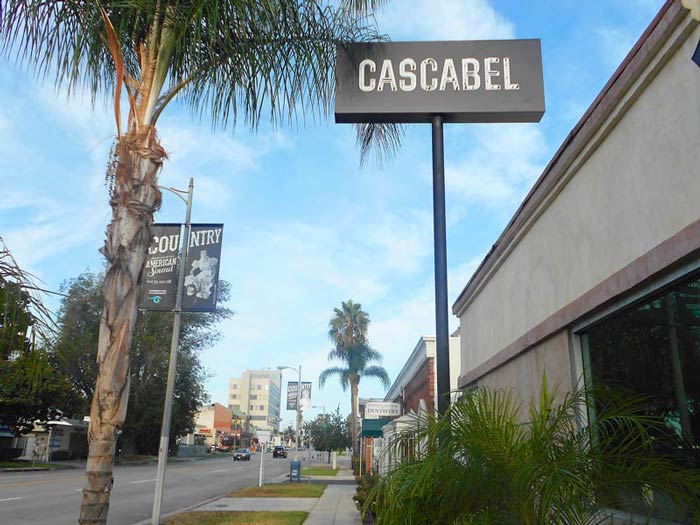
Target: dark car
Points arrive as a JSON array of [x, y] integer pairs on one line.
[[241, 454], [279, 452]]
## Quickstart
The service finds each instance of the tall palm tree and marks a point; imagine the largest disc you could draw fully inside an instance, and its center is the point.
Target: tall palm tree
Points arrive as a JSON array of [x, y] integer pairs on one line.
[[348, 326], [223, 58], [348, 330]]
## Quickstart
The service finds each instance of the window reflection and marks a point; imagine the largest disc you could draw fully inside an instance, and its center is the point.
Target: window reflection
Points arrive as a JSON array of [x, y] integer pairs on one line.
[[653, 349]]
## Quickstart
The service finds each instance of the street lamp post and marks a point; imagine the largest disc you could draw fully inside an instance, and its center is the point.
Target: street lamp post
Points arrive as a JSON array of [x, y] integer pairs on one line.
[[172, 365], [298, 400]]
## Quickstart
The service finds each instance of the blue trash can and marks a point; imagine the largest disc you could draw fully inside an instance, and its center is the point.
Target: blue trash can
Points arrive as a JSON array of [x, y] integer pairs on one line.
[[295, 471]]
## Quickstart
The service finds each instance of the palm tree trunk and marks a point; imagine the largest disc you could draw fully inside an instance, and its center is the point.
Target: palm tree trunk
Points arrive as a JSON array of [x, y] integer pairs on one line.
[[134, 200], [354, 387]]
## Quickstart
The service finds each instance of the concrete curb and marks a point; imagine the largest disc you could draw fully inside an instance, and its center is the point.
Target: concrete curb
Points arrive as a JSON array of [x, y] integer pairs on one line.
[[180, 511]]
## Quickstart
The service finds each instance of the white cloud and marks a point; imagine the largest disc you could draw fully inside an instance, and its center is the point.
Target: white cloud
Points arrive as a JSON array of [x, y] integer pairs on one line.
[[614, 44], [500, 167], [443, 20]]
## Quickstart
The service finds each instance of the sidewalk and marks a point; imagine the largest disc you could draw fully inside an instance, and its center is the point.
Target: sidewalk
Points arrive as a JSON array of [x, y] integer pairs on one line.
[[334, 507]]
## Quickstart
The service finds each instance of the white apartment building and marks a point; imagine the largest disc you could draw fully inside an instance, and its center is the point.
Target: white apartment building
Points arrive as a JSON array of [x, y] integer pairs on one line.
[[258, 394]]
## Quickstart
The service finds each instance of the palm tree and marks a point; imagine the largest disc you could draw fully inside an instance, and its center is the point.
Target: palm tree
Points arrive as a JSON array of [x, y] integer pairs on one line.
[[348, 326], [348, 330], [227, 59]]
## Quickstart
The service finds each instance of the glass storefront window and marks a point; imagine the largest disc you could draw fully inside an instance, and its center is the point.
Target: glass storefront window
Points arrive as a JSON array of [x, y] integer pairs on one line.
[[653, 349]]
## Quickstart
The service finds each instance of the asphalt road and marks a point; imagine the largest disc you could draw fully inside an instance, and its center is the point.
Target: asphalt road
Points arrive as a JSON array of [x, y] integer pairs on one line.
[[53, 498]]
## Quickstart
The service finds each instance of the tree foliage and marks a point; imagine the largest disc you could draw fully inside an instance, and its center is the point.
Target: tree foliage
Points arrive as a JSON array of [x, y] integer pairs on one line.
[[76, 346], [30, 387], [329, 432]]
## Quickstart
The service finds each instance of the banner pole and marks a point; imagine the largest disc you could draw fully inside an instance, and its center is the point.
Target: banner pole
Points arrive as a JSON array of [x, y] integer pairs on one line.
[[442, 340], [174, 342]]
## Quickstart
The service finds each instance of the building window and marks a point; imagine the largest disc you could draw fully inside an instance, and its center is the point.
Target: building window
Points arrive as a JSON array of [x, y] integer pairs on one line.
[[234, 387], [653, 349], [258, 387], [253, 396], [234, 396]]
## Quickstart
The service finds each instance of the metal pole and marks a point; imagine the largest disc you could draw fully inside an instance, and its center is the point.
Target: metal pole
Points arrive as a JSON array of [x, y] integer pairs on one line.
[[442, 343], [174, 342], [298, 409], [48, 445]]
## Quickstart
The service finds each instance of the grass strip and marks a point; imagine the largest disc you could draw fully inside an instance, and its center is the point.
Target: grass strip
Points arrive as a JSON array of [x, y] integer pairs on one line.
[[291, 517], [281, 490], [28, 464], [319, 471]]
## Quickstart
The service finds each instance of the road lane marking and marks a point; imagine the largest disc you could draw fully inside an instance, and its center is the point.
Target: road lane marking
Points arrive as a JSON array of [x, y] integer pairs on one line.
[[38, 482], [142, 481], [220, 470], [9, 499]]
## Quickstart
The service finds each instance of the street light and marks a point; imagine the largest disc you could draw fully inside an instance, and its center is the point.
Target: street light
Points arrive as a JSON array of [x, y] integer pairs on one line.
[[298, 399]]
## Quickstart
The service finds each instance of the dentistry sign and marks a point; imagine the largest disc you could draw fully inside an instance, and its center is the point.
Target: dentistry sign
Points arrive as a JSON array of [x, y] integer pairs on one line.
[[463, 81]]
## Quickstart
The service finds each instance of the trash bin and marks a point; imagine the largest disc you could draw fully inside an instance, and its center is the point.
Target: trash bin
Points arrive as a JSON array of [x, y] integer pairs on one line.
[[295, 471]]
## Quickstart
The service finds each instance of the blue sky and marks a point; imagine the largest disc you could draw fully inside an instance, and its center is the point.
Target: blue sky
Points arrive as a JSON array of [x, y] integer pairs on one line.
[[305, 228]]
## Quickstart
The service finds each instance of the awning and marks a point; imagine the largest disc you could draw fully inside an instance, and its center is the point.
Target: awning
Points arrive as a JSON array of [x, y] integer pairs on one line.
[[373, 427]]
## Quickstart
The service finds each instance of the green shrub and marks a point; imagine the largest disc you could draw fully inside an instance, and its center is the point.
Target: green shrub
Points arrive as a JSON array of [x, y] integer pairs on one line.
[[7, 454], [365, 501], [479, 464]]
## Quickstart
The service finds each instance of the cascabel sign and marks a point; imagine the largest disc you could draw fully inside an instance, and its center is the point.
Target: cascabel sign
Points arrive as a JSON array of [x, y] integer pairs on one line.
[[463, 81]]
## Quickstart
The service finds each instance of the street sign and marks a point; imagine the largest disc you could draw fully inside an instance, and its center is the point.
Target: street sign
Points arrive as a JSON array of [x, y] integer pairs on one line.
[[380, 410], [292, 387], [159, 286], [438, 83], [463, 81], [263, 436], [202, 268]]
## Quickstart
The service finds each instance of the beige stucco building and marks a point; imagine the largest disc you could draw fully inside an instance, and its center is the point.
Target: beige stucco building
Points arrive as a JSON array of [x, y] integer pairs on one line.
[[614, 219], [258, 394], [596, 278]]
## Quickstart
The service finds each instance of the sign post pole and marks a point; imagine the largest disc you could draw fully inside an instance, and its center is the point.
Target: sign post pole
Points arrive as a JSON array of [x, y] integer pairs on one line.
[[174, 342], [442, 350], [440, 82]]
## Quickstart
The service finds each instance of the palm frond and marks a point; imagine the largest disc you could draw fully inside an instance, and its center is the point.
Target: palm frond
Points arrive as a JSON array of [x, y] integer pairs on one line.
[[342, 373], [378, 372], [379, 142]]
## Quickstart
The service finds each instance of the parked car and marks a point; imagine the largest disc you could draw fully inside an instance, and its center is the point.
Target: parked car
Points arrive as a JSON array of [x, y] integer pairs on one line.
[[279, 452], [241, 454]]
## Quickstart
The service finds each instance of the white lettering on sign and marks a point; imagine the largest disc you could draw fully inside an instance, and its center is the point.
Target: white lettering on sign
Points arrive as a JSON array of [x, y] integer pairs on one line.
[[367, 63], [495, 75], [205, 237], [164, 244]]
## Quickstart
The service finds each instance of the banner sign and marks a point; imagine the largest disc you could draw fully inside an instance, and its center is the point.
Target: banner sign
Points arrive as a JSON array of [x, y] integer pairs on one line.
[[381, 410], [202, 268], [160, 275], [292, 387], [463, 81], [159, 285]]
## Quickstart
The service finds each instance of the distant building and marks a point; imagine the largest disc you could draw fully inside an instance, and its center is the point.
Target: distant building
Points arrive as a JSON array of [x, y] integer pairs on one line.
[[213, 423], [257, 394], [417, 378]]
